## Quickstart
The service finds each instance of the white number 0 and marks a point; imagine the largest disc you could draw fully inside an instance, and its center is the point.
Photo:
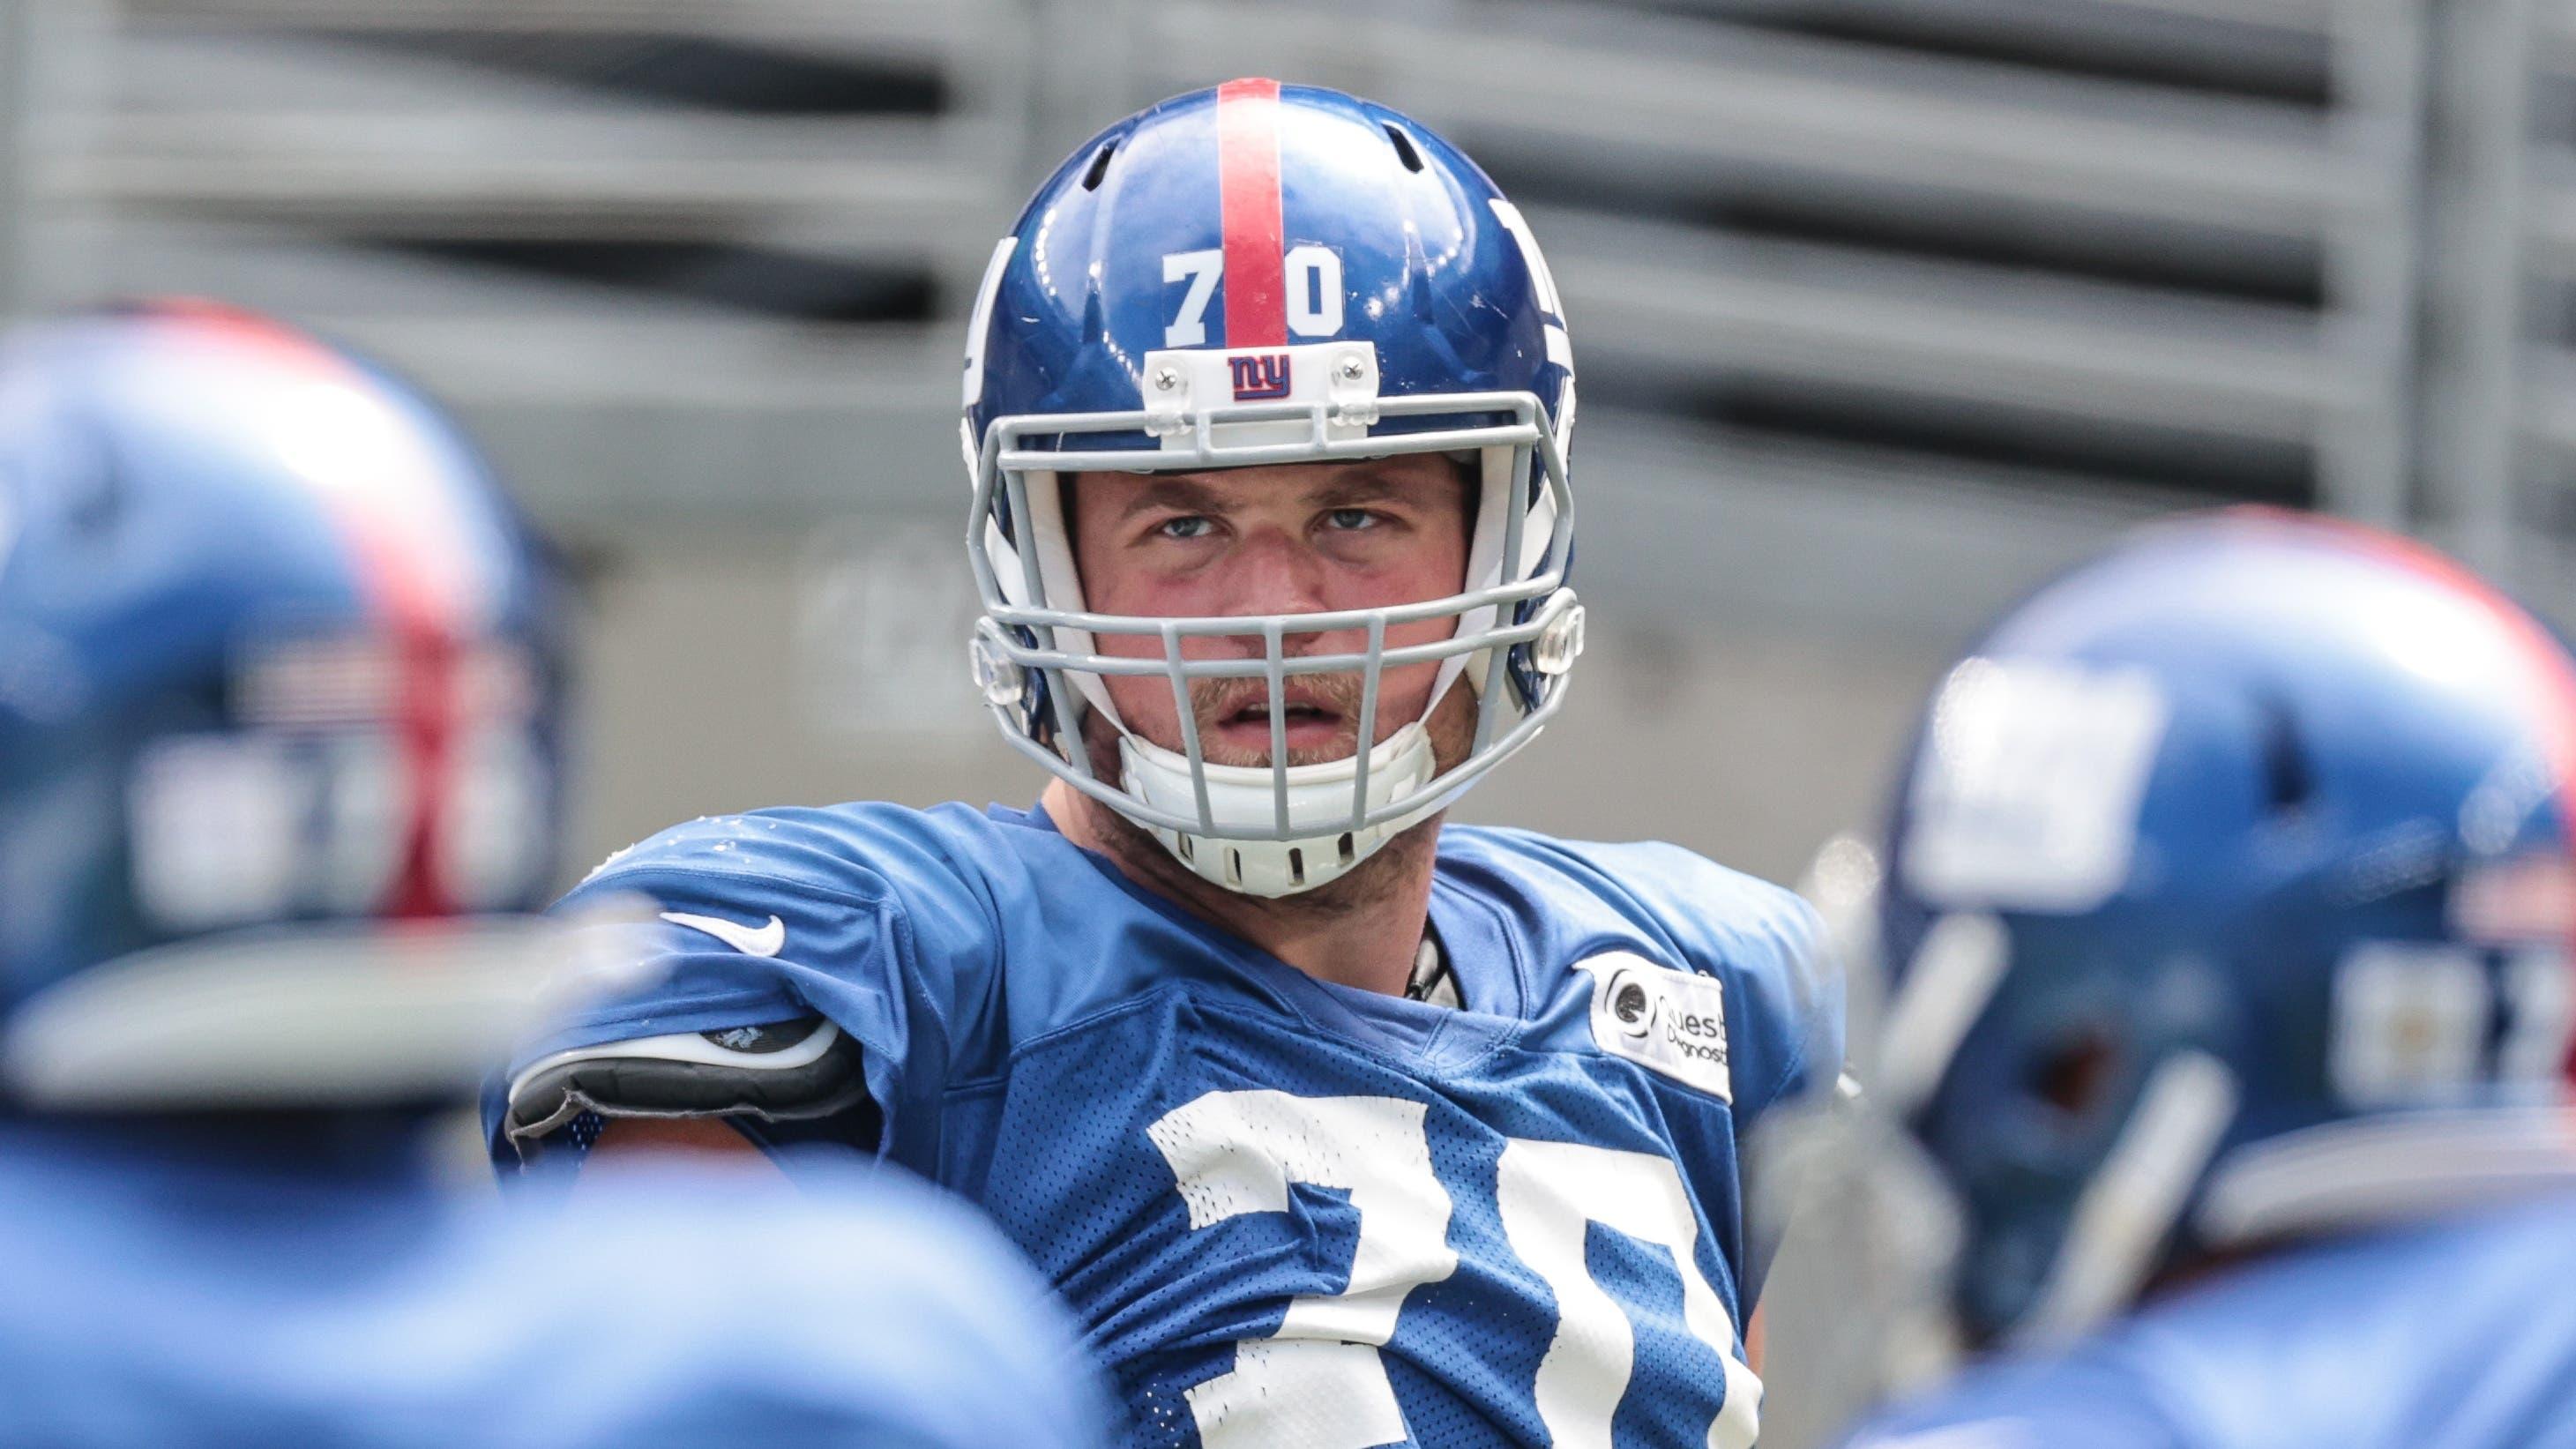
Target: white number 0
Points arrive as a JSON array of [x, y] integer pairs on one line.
[[1319, 1380]]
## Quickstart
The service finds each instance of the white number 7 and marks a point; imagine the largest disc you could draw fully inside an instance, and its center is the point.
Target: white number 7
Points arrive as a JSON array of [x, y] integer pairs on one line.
[[1319, 1381], [1200, 270]]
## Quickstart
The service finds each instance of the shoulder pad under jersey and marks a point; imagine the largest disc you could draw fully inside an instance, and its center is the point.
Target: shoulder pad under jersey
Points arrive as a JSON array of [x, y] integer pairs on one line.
[[789, 1071]]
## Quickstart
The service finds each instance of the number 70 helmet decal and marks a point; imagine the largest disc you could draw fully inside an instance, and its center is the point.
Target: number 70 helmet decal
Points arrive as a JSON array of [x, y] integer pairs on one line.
[[1264, 274]]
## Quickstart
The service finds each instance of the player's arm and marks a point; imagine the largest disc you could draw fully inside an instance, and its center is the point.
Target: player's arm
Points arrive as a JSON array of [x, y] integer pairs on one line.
[[641, 1135], [773, 978]]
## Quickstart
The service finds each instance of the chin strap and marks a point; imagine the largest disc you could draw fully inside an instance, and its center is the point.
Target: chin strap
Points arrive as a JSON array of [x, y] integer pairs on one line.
[[1433, 981], [1246, 798]]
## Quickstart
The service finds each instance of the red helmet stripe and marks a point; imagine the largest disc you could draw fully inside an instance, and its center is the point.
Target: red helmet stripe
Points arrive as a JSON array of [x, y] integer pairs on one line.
[[1256, 289], [386, 502]]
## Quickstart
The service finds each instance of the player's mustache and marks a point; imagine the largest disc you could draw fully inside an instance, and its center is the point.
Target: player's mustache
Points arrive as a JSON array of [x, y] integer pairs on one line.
[[1216, 701]]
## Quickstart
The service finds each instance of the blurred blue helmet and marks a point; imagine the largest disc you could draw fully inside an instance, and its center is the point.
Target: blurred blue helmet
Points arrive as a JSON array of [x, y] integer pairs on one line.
[[275, 653], [2229, 899], [1263, 274]]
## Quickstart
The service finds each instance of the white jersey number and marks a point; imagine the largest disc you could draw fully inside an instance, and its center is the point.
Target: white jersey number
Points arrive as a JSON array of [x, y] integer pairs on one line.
[[1319, 1380]]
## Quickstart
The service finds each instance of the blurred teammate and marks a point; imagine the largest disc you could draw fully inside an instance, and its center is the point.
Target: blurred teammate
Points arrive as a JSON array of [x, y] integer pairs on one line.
[[278, 755], [1337, 1128], [2231, 897]]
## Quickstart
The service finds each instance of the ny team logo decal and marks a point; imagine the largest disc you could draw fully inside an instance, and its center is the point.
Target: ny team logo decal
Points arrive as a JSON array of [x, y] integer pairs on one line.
[[1259, 377]]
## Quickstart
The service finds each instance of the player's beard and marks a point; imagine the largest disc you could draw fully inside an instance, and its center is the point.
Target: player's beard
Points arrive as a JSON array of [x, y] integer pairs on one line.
[[1393, 870]]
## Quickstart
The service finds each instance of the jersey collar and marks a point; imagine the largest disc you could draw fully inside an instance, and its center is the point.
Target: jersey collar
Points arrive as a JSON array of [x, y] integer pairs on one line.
[[1484, 962]]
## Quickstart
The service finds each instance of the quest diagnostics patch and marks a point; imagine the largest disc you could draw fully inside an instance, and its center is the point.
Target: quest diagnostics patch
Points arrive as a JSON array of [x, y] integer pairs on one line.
[[1668, 1021]]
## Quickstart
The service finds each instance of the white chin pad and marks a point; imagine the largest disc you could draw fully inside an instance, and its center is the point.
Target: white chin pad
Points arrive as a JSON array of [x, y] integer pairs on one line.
[[1242, 801]]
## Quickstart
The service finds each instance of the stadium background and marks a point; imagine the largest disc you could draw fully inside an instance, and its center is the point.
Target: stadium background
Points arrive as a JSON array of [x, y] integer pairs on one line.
[[1885, 309]]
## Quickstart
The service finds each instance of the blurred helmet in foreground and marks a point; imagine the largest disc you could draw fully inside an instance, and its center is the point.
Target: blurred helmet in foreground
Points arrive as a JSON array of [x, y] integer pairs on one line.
[[2228, 898], [1265, 274], [278, 677]]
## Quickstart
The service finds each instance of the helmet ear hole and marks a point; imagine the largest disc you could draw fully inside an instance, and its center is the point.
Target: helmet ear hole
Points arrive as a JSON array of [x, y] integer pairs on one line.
[[2076, 1075]]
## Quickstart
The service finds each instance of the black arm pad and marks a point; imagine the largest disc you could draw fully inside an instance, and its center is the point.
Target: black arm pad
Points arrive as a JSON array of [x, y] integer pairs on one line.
[[793, 1071]]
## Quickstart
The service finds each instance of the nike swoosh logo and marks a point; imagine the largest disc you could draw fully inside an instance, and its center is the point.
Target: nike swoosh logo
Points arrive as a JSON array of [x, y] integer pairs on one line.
[[765, 940]]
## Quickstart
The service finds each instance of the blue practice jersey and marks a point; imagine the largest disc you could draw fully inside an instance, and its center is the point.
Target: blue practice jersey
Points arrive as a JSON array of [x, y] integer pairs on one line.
[[165, 1294], [1288, 1211], [2455, 1334]]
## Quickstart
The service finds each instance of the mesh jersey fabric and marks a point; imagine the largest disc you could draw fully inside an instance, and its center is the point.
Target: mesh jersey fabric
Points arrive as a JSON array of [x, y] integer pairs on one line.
[[1281, 1207]]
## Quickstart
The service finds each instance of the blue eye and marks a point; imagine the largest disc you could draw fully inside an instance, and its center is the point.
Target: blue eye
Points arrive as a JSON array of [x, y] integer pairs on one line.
[[1351, 518], [1184, 528]]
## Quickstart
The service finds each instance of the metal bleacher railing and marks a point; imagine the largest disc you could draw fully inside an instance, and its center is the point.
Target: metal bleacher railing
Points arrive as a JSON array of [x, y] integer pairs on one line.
[[1912, 283]]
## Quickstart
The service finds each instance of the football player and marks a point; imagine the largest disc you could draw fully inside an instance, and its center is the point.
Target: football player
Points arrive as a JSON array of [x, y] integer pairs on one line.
[[278, 760], [1336, 1127], [2230, 899]]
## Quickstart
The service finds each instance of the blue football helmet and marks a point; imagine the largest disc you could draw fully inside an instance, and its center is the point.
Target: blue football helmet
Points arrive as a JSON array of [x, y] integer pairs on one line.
[[279, 750], [2228, 899], [1263, 274]]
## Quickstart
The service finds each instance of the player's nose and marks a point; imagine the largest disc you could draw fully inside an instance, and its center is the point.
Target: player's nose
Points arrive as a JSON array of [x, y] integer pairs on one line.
[[1273, 571]]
